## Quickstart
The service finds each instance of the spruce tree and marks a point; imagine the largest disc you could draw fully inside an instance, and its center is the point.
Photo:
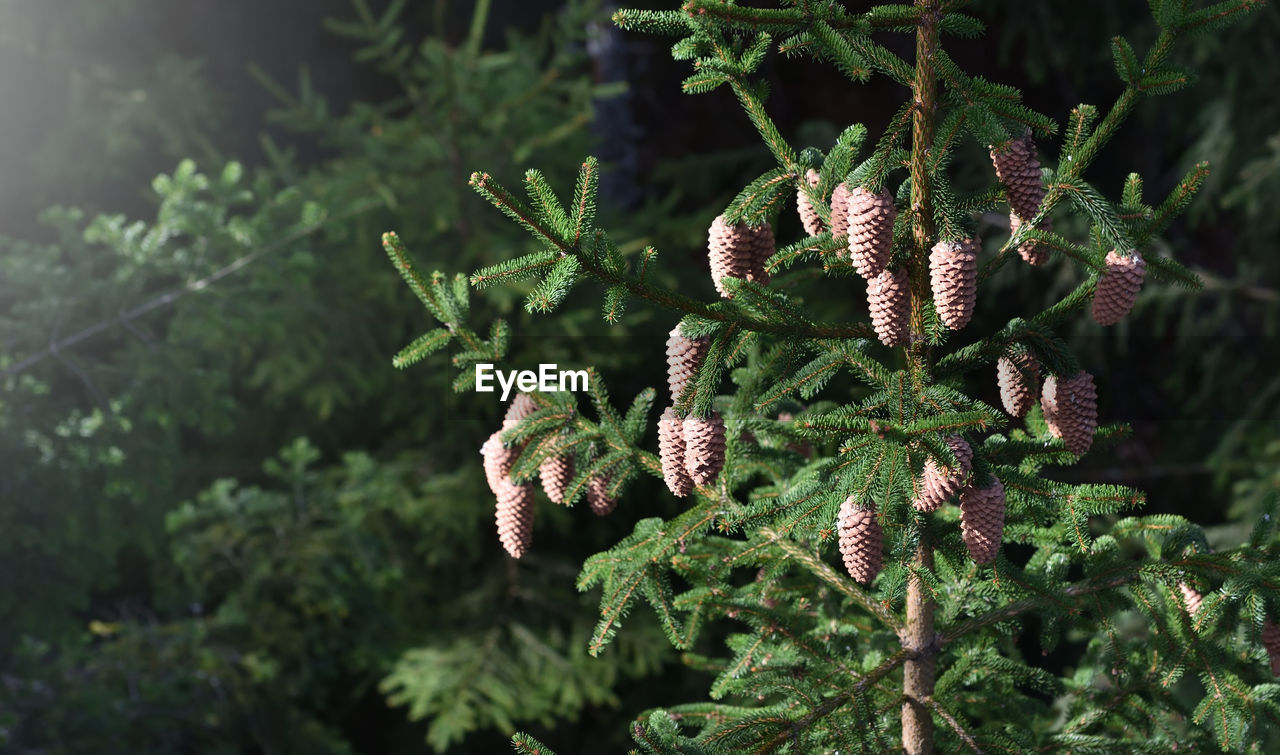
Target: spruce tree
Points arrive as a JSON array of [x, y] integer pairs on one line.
[[866, 440]]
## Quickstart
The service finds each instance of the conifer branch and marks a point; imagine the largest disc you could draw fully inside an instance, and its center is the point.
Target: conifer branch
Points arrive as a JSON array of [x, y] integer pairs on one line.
[[843, 585]]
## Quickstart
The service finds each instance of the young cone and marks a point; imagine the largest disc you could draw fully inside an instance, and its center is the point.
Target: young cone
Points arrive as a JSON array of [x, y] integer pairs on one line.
[[671, 453], [1118, 287], [704, 448], [1192, 598], [889, 299], [871, 218], [1071, 410], [953, 274], [1271, 641], [982, 520], [813, 224], [556, 473], [684, 357], [520, 407], [738, 251], [1031, 250], [514, 517], [1019, 170], [861, 541], [840, 213], [1018, 374], [598, 497], [938, 483]]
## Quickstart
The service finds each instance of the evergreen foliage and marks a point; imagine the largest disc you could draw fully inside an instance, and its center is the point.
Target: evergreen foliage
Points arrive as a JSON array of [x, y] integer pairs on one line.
[[938, 652]]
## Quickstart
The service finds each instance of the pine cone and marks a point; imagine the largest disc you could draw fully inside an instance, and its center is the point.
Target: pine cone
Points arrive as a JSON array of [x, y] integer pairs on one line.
[[738, 251], [1071, 410], [671, 452], [953, 272], [840, 213], [1017, 374], [556, 473], [1271, 641], [497, 463], [982, 520], [1031, 250], [889, 298], [762, 248], [1118, 287], [1019, 170], [861, 541], [813, 224], [1192, 598], [514, 516], [684, 357], [598, 497], [704, 448], [521, 406], [937, 483], [870, 232]]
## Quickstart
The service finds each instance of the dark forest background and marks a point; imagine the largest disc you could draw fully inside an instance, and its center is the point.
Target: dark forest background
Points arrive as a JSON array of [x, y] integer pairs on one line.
[[227, 524]]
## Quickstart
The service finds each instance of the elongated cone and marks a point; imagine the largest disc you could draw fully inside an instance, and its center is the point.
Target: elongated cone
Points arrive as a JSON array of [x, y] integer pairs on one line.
[[953, 275], [1192, 598], [556, 473], [1031, 250], [684, 357], [1070, 409], [889, 299], [738, 251], [813, 224], [861, 540], [840, 213], [1118, 287], [598, 496], [704, 448], [1018, 375], [938, 483], [1271, 641], [982, 520], [671, 453], [514, 517], [871, 218], [1019, 170], [521, 406]]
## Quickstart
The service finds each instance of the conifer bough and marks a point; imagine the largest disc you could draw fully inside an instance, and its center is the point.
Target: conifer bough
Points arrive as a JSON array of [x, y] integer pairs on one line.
[[925, 641]]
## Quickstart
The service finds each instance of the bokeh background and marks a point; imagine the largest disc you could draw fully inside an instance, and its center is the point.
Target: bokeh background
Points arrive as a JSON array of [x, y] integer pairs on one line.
[[228, 525]]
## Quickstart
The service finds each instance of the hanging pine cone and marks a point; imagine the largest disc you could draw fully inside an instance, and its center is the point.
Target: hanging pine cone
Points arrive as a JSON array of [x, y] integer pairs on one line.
[[738, 251], [1070, 409], [514, 517], [871, 219], [889, 298], [497, 463], [808, 216], [937, 483], [521, 406], [982, 520], [556, 473], [1192, 598], [1118, 287], [840, 213], [1031, 250], [953, 274], [704, 448], [684, 357], [1019, 170], [1018, 375], [1271, 641], [598, 496], [861, 540], [671, 452]]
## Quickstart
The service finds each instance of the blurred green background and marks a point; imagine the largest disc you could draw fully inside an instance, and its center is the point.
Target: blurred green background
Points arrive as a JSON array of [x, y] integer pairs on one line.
[[227, 524]]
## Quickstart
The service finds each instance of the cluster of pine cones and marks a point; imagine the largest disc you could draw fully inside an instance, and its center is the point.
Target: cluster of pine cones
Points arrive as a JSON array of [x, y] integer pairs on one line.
[[1070, 405], [514, 510], [691, 448]]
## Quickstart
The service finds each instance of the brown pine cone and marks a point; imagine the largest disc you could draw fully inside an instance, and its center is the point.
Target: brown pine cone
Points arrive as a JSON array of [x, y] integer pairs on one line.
[[1192, 598], [684, 357], [1071, 409], [871, 219], [861, 541], [840, 213], [1019, 170], [498, 460], [1031, 250], [982, 520], [953, 274], [1271, 641], [938, 483], [671, 452], [514, 517], [738, 251], [556, 473], [704, 448], [1018, 374], [813, 224], [1118, 287], [762, 248], [598, 496], [889, 298], [521, 406]]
